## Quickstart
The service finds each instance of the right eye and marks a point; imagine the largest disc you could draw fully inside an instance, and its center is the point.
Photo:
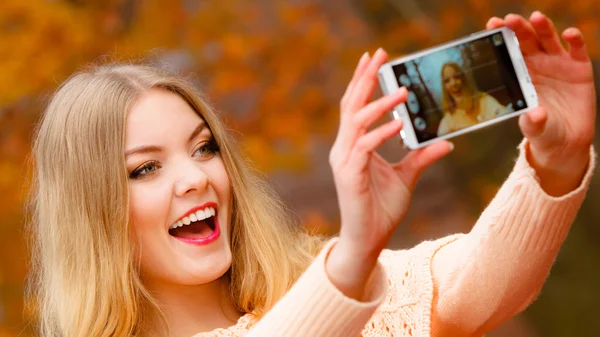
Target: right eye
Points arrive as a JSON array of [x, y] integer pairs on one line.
[[144, 170]]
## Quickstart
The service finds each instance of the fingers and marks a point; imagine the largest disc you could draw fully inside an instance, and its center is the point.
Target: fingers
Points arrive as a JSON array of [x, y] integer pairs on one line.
[[365, 145], [524, 30], [363, 89], [360, 151], [410, 167], [357, 116], [372, 140], [546, 33], [494, 22], [374, 110], [353, 127], [577, 48], [540, 34], [360, 69], [533, 122]]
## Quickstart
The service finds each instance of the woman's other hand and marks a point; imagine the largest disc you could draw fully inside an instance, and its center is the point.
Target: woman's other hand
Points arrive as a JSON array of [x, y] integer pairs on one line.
[[561, 130], [373, 194]]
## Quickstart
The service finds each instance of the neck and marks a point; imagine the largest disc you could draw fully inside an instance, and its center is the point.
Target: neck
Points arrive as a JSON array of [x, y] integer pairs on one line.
[[191, 309], [457, 97]]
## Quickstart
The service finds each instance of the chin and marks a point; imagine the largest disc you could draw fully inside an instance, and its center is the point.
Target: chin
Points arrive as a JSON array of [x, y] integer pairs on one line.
[[207, 273], [187, 269], [205, 269]]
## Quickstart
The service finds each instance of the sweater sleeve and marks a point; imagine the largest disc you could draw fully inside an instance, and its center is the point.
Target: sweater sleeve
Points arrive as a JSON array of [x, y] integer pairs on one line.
[[315, 307], [497, 270]]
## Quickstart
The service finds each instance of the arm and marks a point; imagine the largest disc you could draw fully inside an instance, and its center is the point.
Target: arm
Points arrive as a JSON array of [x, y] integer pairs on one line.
[[335, 296], [496, 270], [314, 306]]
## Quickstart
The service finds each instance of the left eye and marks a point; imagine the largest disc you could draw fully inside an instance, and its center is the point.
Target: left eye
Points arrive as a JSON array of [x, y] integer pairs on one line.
[[206, 149]]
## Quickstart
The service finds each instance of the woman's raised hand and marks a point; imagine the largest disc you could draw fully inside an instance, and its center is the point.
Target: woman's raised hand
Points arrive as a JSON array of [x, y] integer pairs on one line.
[[561, 129], [373, 194]]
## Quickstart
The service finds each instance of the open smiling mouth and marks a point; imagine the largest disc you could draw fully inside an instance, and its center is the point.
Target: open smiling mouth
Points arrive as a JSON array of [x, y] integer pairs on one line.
[[198, 227]]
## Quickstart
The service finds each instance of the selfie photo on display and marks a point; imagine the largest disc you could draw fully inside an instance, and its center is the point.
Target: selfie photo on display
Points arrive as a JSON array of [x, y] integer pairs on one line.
[[459, 87]]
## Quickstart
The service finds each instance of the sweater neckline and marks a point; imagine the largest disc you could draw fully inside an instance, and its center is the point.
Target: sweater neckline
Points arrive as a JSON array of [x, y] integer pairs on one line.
[[243, 324]]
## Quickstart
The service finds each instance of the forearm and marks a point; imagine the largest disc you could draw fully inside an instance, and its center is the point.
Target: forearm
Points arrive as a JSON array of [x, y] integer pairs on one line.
[[498, 268]]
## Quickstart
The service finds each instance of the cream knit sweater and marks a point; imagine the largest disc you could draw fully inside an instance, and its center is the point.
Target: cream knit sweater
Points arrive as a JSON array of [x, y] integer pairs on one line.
[[461, 285]]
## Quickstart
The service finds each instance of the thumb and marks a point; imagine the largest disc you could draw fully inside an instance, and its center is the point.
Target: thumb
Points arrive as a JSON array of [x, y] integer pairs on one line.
[[533, 123]]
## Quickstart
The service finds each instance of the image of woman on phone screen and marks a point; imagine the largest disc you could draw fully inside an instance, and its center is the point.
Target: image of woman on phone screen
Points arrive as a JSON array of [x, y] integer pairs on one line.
[[462, 103], [147, 220]]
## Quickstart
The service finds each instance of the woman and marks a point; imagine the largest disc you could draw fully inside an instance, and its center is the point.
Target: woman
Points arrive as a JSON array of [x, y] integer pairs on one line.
[[147, 222], [462, 103]]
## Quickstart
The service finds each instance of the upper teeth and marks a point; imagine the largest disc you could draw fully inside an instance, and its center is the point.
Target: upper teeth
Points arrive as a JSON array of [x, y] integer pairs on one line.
[[196, 216]]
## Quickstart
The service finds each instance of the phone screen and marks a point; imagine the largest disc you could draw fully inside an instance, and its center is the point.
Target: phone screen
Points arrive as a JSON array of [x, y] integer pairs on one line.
[[461, 86]]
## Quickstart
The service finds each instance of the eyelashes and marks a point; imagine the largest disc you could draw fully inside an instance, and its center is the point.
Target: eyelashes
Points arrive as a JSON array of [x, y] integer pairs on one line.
[[204, 151], [208, 148], [144, 170]]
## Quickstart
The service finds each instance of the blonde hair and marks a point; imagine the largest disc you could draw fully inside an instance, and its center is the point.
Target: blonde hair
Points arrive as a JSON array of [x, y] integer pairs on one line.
[[84, 279], [473, 94]]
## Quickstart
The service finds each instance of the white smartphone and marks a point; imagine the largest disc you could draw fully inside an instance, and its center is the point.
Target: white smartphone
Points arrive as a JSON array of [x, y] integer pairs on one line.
[[460, 86]]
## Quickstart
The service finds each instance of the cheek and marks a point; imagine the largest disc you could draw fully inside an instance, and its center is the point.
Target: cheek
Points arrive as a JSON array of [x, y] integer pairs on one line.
[[148, 207], [222, 185]]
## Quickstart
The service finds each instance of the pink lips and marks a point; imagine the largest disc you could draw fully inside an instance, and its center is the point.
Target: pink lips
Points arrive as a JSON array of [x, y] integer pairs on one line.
[[208, 239]]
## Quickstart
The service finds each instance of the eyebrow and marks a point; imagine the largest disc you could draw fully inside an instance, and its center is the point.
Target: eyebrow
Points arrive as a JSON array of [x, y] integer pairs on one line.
[[197, 130], [154, 148]]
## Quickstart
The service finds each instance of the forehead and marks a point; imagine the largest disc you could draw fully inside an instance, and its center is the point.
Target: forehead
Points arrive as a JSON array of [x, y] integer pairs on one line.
[[449, 70], [159, 115]]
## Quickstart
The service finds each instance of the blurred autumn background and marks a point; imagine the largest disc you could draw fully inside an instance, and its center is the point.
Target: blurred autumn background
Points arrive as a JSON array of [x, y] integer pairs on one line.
[[276, 70]]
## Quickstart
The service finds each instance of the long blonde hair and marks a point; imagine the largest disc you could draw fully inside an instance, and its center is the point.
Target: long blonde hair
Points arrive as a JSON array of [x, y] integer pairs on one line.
[[473, 95], [84, 280]]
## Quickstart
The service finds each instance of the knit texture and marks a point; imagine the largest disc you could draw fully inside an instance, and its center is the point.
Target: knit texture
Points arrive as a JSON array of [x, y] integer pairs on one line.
[[461, 285], [406, 310], [404, 276]]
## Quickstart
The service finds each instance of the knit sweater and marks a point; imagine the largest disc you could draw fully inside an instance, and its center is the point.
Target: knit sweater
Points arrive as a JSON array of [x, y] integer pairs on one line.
[[460, 285]]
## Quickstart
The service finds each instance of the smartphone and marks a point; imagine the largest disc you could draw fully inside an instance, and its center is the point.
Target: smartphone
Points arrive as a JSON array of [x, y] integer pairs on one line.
[[460, 86]]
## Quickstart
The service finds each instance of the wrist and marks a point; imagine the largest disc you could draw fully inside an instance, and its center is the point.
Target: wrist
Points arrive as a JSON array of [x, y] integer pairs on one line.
[[558, 174], [349, 268]]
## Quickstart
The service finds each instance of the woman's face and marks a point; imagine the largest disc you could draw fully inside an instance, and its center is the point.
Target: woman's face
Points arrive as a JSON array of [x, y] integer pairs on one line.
[[180, 194], [452, 80]]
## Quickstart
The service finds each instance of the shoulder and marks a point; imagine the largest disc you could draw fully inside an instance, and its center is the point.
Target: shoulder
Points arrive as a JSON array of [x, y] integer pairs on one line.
[[445, 123], [487, 99]]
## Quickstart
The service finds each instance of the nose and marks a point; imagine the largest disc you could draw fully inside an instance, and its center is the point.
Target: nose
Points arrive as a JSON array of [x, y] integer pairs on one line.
[[190, 178]]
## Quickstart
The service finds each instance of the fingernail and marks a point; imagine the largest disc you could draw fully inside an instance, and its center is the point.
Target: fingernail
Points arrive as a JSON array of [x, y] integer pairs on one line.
[[379, 51], [363, 57], [451, 146]]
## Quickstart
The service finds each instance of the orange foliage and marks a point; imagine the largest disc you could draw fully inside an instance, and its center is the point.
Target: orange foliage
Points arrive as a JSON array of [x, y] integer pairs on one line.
[[276, 69]]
